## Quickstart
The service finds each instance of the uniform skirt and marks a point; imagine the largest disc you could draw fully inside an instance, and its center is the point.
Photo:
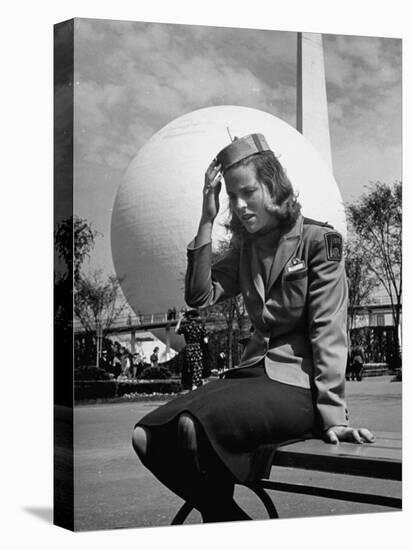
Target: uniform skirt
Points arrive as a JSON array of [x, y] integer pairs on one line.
[[241, 420]]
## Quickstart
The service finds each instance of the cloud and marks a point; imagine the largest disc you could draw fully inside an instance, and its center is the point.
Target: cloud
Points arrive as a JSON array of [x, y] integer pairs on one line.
[[364, 100], [356, 63], [358, 164], [364, 89], [131, 79]]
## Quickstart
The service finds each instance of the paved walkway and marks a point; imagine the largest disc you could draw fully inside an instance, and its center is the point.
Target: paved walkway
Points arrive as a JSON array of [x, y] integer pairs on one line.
[[113, 490]]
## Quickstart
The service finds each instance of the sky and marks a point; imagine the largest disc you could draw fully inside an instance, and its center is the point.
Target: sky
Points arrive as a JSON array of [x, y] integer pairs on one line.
[[133, 78]]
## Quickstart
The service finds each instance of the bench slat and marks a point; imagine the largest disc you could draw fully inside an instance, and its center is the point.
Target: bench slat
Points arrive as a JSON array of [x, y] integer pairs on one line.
[[341, 465], [382, 459], [337, 494], [367, 451]]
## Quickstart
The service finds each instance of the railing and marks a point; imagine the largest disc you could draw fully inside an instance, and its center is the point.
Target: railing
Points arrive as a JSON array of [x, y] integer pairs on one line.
[[376, 302], [381, 300], [133, 320]]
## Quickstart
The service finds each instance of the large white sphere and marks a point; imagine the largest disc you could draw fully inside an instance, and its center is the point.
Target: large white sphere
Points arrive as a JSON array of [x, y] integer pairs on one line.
[[158, 204]]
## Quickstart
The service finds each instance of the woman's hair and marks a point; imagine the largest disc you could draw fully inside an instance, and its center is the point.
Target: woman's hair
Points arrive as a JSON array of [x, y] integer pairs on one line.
[[281, 198]]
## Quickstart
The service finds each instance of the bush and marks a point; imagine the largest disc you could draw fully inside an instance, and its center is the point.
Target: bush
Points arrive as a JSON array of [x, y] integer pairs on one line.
[[92, 373], [108, 389], [175, 365], [155, 373], [94, 389]]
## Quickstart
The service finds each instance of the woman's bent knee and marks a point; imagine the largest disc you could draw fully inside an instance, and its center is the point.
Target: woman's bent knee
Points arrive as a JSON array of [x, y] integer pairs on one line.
[[139, 440], [187, 437], [187, 432]]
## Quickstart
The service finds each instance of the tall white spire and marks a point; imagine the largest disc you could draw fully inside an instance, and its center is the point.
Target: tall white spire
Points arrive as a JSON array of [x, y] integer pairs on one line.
[[312, 107]]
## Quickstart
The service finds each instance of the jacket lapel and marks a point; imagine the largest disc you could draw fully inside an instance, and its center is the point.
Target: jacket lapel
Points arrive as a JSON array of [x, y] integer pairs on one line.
[[251, 268], [256, 272], [287, 246]]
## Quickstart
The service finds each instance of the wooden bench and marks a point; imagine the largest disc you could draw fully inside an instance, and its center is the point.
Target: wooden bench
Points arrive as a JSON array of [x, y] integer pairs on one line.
[[380, 460]]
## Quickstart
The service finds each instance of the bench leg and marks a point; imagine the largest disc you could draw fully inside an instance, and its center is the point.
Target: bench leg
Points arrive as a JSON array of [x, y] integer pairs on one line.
[[182, 514], [185, 510], [266, 500]]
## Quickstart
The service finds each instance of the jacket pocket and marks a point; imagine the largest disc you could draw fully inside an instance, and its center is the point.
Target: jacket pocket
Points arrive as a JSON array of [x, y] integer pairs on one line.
[[301, 274], [295, 286]]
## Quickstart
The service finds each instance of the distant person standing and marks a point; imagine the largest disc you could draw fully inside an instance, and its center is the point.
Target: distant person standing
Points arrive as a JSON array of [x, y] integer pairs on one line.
[[357, 360], [154, 358], [221, 361], [206, 371], [136, 360], [126, 364], [116, 365], [348, 372], [104, 362], [191, 327]]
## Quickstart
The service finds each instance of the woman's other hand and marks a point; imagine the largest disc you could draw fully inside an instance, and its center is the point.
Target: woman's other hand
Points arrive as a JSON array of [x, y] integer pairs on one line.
[[179, 322], [334, 434], [211, 190]]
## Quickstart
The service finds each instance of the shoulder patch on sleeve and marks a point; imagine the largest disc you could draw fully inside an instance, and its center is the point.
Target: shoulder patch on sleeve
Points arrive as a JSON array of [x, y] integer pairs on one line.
[[334, 246], [309, 221]]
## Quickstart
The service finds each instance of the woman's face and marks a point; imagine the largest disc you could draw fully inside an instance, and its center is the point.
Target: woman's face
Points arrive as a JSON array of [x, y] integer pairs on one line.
[[247, 199]]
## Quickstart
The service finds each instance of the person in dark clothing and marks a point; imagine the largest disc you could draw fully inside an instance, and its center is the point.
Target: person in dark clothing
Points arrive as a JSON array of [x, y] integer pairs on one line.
[[357, 360], [116, 368], [206, 372], [154, 358], [191, 327], [348, 371], [221, 361]]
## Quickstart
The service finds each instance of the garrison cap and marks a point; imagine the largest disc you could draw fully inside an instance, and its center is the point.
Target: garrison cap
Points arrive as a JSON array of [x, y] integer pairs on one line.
[[241, 148]]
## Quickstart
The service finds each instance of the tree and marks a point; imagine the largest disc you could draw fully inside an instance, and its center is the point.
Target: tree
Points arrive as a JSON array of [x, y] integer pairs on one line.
[[74, 240], [98, 302], [361, 281], [376, 219]]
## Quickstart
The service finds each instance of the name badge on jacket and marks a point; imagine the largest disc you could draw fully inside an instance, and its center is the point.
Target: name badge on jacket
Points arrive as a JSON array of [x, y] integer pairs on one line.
[[296, 265]]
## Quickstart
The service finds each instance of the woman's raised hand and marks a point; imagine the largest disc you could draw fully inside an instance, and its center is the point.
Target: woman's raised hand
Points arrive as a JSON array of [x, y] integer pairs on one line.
[[211, 190]]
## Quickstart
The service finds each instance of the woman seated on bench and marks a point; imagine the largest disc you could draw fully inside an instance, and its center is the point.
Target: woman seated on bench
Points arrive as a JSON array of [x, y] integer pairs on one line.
[[290, 384]]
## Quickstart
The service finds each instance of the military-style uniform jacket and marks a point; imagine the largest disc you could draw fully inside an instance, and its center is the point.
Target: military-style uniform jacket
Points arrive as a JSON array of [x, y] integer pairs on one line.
[[299, 316]]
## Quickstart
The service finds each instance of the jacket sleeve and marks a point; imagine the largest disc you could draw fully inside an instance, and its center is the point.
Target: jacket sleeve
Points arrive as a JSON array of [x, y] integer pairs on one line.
[[205, 284], [327, 308]]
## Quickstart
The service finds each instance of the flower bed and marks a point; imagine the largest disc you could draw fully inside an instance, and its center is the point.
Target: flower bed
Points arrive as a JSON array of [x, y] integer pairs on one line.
[[149, 386], [108, 389], [146, 397]]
